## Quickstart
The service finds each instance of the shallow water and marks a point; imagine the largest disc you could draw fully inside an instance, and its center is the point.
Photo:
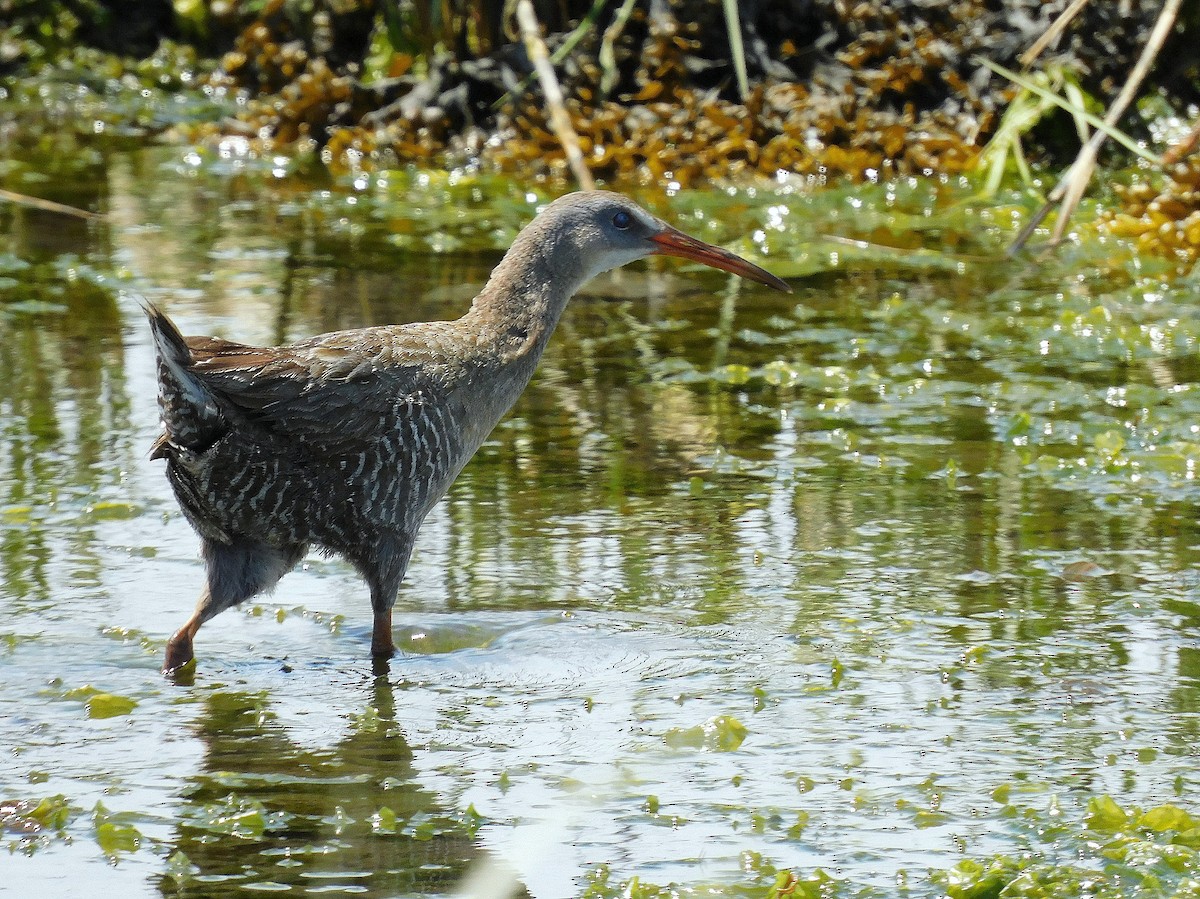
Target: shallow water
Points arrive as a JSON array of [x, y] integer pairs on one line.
[[872, 578]]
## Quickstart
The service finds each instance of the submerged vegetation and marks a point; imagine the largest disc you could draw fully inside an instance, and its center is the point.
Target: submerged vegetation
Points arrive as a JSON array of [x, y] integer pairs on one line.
[[1103, 851]]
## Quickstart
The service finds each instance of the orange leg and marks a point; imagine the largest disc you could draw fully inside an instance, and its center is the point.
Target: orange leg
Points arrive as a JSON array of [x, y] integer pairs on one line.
[[381, 635], [235, 572], [179, 647]]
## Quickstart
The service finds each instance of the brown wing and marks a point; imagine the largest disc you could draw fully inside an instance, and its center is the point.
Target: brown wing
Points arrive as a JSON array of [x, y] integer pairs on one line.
[[330, 396]]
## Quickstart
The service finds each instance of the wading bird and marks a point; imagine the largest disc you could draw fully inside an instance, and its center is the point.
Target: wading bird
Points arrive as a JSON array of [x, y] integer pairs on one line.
[[346, 441]]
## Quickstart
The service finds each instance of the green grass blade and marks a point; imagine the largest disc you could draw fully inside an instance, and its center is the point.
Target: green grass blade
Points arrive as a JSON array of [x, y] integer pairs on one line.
[[1095, 121], [734, 26]]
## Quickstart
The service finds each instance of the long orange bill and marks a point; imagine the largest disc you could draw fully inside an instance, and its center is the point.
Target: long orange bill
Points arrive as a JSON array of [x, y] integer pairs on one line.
[[670, 242]]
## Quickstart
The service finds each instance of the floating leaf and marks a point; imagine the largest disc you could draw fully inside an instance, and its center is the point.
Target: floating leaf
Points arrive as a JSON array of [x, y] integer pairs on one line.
[[836, 672], [383, 821], [234, 816], [113, 511], [109, 705], [52, 812], [780, 374], [22, 816], [180, 867], [929, 818], [1109, 443], [733, 374], [722, 733], [421, 827], [797, 829], [1167, 817], [1104, 815], [114, 838], [84, 692]]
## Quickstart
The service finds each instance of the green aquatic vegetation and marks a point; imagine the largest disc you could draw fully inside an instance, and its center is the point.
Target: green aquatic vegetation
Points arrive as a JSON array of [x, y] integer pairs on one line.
[[762, 880], [83, 692], [115, 833], [58, 287], [132, 635], [117, 838], [50, 813], [235, 816], [1089, 386], [179, 868], [11, 641], [97, 703], [112, 509], [87, 96], [1121, 852], [721, 733], [422, 826], [109, 705], [1110, 853], [28, 825], [928, 528], [384, 821]]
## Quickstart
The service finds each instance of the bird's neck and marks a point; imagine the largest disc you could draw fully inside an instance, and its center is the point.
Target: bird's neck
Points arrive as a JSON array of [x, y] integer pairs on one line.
[[518, 309]]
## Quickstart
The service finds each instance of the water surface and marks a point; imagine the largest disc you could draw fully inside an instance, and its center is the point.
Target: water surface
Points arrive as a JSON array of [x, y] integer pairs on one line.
[[872, 578]]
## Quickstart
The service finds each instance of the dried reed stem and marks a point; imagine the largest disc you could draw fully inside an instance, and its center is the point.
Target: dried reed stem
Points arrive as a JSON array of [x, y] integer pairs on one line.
[[560, 119]]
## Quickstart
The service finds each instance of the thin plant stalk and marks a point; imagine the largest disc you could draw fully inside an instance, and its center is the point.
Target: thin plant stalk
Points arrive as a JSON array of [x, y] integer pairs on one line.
[[569, 43], [1072, 185], [1025, 111], [733, 25], [608, 56], [1101, 125], [560, 119], [1051, 34], [47, 205]]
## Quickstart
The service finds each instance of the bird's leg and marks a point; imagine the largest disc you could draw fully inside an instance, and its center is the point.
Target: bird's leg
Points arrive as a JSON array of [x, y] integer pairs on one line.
[[383, 596], [179, 647], [235, 573], [383, 569], [382, 646]]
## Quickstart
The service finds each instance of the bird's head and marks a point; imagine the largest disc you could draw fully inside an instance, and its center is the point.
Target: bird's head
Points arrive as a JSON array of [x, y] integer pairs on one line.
[[596, 231]]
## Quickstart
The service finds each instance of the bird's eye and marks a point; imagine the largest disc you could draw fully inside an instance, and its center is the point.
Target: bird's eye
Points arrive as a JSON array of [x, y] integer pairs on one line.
[[622, 221]]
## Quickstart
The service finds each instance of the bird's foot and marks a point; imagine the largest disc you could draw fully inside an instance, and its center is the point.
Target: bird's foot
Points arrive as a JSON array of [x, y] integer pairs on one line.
[[180, 662], [183, 676]]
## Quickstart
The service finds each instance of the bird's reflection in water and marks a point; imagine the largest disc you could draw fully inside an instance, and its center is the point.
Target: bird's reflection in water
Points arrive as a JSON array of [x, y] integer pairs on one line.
[[267, 814]]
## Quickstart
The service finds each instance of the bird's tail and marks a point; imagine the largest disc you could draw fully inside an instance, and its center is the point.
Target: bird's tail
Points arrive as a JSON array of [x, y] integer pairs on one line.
[[191, 418]]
